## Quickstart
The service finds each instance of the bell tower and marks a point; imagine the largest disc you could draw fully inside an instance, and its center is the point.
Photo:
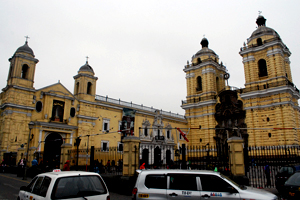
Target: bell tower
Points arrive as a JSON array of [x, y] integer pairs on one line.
[[22, 67], [85, 83], [204, 79], [270, 97]]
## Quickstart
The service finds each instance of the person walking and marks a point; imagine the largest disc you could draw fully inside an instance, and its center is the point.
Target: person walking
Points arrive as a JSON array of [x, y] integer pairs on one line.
[[267, 172], [66, 166]]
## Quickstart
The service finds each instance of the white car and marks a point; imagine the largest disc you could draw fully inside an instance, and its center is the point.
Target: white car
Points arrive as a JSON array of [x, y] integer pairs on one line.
[[192, 184], [65, 185]]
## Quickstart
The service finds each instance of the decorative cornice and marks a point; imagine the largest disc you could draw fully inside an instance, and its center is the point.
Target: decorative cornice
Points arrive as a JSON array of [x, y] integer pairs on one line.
[[204, 64], [199, 104], [85, 75], [274, 52], [286, 59], [265, 46], [18, 87], [25, 57], [86, 117], [80, 121], [208, 70], [190, 75], [3, 106], [55, 125], [248, 59], [57, 95], [266, 80], [14, 111], [272, 105], [270, 91]]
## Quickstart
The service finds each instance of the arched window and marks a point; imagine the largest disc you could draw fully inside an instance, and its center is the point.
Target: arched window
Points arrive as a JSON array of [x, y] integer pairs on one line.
[[262, 67], [77, 88], [89, 88], [199, 83], [24, 73], [259, 41], [199, 60]]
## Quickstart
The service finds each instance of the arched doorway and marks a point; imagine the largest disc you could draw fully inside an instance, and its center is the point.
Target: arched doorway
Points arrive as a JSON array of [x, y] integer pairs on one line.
[[52, 150], [168, 156], [157, 156], [145, 156]]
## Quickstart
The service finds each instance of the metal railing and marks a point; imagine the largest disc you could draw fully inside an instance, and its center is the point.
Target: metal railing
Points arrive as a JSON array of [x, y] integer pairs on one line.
[[263, 163]]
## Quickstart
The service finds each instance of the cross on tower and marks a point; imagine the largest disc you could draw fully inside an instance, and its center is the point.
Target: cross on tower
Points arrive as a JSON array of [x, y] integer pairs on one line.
[[87, 59], [259, 12], [204, 36], [26, 38]]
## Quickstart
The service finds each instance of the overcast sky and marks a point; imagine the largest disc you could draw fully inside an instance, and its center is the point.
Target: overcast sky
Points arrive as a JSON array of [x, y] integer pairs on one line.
[[137, 48]]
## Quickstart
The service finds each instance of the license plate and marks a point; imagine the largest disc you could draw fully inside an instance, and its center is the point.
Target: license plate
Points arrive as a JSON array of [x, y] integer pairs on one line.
[[143, 195]]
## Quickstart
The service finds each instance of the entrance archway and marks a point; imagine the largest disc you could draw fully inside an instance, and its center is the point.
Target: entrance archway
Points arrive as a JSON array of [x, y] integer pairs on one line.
[[145, 156], [52, 150], [168, 156], [157, 156]]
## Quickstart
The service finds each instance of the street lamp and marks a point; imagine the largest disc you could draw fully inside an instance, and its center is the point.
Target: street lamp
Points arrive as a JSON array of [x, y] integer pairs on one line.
[[30, 125]]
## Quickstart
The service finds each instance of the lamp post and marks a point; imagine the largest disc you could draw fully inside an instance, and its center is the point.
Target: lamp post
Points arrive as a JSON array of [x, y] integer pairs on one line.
[[30, 125]]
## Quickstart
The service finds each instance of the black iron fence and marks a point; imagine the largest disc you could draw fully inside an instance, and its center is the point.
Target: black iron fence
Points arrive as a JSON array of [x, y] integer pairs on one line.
[[263, 163], [103, 161], [184, 157]]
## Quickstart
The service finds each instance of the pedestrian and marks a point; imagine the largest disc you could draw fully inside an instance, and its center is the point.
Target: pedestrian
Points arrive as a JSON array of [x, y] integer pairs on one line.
[[267, 172], [34, 163], [108, 166], [3, 165], [96, 168], [66, 166], [142, 166]]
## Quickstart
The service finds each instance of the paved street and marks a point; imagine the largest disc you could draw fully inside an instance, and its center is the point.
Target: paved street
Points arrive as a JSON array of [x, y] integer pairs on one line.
[[10, 185]]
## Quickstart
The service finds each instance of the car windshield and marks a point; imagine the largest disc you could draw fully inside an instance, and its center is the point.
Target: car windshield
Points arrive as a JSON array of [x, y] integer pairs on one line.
[[288, 170], [294, 179], [78, 186], [242, 187]]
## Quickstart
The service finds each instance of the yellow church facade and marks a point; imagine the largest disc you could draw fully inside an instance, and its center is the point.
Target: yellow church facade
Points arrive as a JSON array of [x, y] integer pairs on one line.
[[265, 112], [60, 116]]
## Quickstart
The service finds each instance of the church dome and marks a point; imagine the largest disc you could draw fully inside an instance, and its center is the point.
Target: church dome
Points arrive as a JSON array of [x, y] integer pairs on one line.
[[86, 68], [25, 49], [205, 50], [262, 29]]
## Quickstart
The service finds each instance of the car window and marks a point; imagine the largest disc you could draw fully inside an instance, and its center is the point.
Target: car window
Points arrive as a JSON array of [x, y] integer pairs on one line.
[[78, 186], [288, 170], [294, 179], [156, 181], [183, 182], [37, 185], [214, 183], [44, 187], [31, 184]]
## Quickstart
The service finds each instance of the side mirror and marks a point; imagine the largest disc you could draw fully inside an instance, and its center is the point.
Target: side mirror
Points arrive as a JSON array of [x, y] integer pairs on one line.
[[231, 190], [24, 188]]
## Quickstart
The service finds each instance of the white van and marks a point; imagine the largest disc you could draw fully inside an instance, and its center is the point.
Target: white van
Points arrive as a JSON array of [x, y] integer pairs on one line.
[[192, 184], [65, 185]]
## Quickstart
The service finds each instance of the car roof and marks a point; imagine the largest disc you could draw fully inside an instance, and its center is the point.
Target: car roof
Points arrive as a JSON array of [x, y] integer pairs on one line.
[[168, 171], [67, 173]]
